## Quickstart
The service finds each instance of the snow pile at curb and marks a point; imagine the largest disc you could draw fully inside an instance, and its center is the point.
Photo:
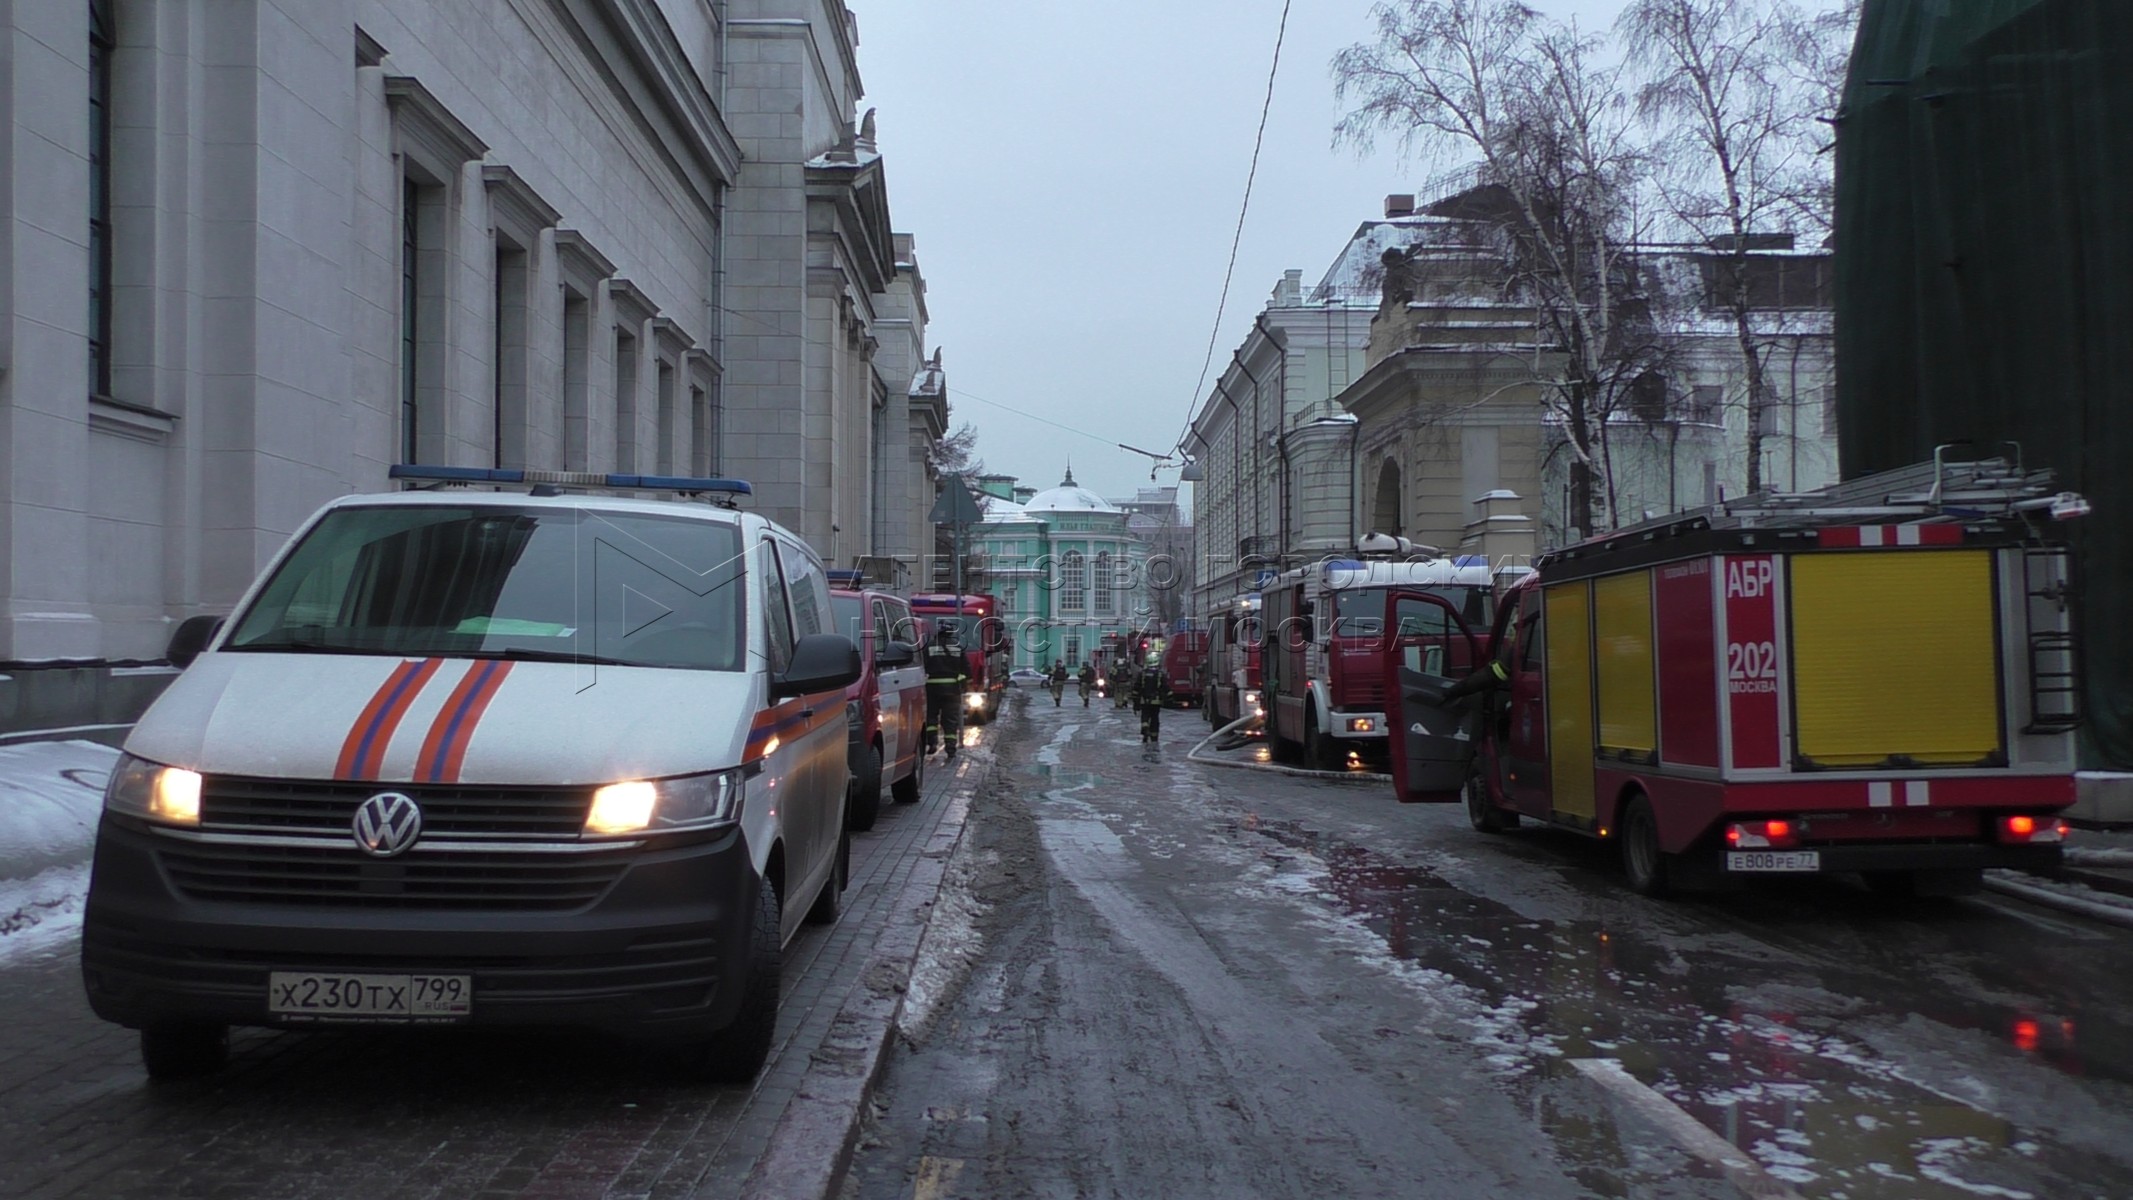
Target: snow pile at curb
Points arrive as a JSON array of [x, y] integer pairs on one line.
[[41, 913], [50, 793]]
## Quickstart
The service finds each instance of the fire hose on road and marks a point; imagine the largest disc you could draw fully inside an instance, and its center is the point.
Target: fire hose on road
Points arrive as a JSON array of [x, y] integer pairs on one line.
[[1200, 756]]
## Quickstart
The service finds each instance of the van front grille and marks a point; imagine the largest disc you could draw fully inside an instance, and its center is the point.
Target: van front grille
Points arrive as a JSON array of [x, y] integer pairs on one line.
[[456, 811], [343, 876]]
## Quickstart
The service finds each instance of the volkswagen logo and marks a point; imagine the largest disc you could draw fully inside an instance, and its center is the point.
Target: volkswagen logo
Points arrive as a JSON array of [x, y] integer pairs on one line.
[[387, 823]]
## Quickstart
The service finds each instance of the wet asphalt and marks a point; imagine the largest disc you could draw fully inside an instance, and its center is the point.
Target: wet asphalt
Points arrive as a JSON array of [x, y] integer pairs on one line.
[[1182, 981]]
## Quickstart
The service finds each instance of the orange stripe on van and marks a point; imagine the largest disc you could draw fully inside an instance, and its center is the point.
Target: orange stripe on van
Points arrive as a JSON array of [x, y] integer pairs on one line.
[[445, 749], [363, 751]]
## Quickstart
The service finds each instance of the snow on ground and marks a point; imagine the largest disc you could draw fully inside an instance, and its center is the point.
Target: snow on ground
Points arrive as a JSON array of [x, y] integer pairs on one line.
[[49, 796], [42, 913]]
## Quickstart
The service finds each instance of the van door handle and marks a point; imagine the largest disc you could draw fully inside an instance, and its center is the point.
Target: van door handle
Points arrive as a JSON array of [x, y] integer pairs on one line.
[[806, 713]]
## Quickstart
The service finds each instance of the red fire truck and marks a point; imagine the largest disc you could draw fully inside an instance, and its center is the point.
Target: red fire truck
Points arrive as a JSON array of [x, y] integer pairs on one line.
[[1325, 634], [987, 643], [1875, 677], [1232, 667], [1184, 656]]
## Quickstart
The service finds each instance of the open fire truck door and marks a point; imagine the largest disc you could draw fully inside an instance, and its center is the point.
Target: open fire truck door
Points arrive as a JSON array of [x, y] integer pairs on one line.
[[1434, 747]]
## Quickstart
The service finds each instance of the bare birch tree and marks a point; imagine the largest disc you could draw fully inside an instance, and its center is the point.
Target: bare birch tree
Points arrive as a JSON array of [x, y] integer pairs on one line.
[[1524, 99], [1728, 136]]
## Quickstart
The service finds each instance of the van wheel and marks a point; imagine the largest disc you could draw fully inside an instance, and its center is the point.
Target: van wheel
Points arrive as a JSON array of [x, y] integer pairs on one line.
[[907, 789], [866, 790], [1482, 813], [829, 902], [736, 1053], [173, 1052], [1642, 861]]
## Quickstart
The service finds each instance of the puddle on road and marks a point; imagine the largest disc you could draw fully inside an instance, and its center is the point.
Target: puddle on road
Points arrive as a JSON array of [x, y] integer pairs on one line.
[[1055, 778], [1799, 1086]]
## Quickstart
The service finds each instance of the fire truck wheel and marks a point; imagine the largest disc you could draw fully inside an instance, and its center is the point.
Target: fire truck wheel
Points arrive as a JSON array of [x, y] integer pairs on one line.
[[1482, 814], [1642, 861], [1318, 748]]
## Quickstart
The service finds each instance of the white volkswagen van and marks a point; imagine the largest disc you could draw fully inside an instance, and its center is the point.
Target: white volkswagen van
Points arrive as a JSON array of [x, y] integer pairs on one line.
[[469, 755]]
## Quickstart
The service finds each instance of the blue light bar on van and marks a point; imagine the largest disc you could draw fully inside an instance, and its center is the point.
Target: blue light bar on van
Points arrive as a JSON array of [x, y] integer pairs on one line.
[[645, 483]]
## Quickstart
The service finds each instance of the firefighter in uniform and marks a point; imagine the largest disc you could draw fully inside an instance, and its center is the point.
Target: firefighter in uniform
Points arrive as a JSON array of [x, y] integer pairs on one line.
[[1086, 677], [1150, 690], [946, 672]]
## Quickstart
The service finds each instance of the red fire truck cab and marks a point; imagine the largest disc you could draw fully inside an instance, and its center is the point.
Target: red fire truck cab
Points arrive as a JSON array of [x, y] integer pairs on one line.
[[1877, 677], [974, 621], [1326, 634], [1232, 667]]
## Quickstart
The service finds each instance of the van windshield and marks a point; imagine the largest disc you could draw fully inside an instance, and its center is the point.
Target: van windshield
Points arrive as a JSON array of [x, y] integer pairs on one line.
[[850, 614], [554, 584]]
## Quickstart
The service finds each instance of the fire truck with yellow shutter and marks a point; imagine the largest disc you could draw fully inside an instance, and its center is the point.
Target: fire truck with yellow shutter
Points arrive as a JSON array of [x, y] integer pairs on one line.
[[1874, 677]]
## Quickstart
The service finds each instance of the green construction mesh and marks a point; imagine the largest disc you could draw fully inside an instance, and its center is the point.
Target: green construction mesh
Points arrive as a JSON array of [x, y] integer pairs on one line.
[[1984, 251]]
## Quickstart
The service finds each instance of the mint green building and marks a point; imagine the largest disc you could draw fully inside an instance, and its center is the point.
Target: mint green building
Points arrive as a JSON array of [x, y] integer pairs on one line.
[[1065, 566]]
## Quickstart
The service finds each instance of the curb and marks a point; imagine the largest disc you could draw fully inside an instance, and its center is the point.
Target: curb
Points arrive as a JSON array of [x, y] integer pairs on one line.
[[810, 1149], [2113, 914]]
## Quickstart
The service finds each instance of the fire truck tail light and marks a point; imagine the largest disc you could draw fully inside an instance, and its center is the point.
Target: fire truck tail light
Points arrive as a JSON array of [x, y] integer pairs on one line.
[[1761, 835], [2023, 829]]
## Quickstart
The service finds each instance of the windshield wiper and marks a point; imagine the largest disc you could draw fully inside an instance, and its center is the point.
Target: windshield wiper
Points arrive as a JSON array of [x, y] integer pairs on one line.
[[303, 645], [535, 654]]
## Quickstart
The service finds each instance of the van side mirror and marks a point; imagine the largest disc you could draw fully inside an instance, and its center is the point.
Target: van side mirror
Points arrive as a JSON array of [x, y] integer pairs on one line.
[[896, 654], [822, 662], [191, 637]]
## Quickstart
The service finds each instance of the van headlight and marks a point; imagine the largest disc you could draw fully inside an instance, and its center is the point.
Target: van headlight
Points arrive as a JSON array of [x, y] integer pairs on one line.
[[139, 788], [664, 805], [974, 700]]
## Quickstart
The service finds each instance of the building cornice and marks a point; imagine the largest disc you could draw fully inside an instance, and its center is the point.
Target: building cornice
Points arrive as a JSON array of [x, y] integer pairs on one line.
[[579, 259], [514, 201], [632, 306], [420, 116], [672, 341], [644, 64]]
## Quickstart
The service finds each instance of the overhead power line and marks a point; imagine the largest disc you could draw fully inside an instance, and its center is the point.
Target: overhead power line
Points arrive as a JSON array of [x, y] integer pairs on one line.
[[1237, 239]]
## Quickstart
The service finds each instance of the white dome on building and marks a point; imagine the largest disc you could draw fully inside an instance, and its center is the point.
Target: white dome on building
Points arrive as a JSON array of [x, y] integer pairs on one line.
[[1069, 497]]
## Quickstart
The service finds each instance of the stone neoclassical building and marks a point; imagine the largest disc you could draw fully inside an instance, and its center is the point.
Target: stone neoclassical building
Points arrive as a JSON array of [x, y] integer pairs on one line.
[[253, 252]]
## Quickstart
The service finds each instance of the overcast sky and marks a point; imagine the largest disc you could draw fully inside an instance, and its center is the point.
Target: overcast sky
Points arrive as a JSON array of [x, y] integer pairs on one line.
[[1072, 174]]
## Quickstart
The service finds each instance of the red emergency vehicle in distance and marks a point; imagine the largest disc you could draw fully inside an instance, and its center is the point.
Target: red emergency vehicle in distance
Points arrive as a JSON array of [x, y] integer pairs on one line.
[[1876, 677], [1184, 656], [987, 645], [1325, 681], [1232, 666]]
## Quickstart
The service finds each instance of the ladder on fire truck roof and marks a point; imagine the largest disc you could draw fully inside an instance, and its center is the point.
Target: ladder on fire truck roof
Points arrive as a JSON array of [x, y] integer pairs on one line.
[[1933, 492]]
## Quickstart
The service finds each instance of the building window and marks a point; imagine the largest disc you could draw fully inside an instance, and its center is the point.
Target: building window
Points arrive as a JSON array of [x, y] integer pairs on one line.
[[508, 426], [577, 334], [1703, 403], [102, 38], [1073, 583], [410, 317], [1104, 605], [1766, 416], [1828, 396], [1073, 649], [700, 461], [625, 401], [663, 397]]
